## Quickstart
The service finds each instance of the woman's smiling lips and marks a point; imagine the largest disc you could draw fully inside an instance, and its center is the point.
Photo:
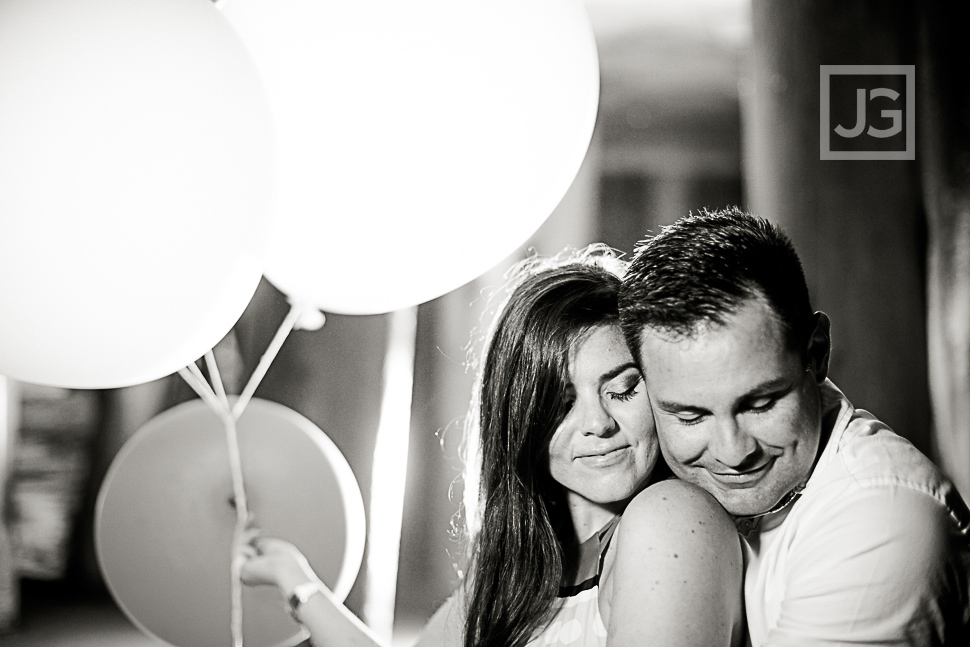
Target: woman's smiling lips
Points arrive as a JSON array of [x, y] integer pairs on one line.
[[606, 457]]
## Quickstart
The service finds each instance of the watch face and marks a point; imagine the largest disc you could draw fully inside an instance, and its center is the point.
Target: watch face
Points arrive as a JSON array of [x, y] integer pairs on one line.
[[303, 592]]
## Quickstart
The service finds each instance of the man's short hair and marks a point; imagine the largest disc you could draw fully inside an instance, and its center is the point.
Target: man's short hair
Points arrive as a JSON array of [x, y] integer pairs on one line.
[[704, 267]]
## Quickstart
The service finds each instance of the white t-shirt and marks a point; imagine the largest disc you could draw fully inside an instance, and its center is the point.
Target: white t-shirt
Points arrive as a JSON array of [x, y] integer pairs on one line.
[[875, 551]]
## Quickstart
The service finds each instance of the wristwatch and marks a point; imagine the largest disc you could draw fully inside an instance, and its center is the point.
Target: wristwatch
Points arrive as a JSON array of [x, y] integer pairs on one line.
[[302, 593]]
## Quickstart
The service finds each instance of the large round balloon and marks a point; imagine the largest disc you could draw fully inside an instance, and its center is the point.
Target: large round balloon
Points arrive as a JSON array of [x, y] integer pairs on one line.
[[420, 142], [137, 179], [165, 521]]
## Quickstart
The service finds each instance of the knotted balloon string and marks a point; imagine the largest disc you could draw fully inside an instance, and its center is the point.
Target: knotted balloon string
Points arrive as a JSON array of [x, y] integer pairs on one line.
[[218, 401], [238, 493]]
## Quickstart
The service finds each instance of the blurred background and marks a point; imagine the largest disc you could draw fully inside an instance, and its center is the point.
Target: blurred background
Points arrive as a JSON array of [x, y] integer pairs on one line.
[[704, 103]]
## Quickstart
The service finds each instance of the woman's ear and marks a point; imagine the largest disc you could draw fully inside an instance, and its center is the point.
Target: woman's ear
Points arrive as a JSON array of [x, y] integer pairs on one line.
[[820, 346]]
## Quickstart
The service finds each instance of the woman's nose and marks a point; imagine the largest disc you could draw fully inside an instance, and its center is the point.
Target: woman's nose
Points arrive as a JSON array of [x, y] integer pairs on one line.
[[596, 419]]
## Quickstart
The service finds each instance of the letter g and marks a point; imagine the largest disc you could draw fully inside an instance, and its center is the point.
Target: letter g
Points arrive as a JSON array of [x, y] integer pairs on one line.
[[896, 115]]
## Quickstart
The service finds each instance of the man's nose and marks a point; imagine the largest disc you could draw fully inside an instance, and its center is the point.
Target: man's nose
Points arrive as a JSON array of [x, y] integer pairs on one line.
[[731, 445]]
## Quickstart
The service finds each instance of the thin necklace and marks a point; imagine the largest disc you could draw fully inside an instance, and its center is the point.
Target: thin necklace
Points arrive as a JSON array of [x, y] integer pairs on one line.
[[786, 501]]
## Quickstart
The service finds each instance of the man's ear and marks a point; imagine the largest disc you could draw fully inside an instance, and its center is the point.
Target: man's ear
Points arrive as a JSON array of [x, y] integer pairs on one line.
[[820, 346]]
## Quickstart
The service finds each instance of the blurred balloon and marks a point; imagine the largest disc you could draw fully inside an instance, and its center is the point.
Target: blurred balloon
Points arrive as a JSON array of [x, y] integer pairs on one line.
[[137, 180], [164, 521], [420, 142]]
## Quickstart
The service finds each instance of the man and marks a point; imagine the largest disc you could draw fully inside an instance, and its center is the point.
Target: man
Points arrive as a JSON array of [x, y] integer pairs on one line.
[[851, 536]]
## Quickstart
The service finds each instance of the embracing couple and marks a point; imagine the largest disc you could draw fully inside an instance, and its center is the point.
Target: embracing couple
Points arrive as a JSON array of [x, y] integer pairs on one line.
[[790, 516]]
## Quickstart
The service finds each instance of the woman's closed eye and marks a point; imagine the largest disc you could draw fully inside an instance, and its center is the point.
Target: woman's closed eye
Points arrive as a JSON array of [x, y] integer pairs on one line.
[[627, 393]]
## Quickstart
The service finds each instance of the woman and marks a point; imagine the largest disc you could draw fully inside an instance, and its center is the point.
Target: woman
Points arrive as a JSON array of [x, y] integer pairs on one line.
[[567, 444]]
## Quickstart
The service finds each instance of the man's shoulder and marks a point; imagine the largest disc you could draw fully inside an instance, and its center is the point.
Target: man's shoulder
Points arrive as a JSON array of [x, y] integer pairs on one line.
[[868, 457], [877, 495], [872, 452]]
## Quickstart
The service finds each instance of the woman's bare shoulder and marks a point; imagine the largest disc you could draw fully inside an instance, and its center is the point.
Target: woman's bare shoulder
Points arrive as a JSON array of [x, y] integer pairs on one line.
[[677, 551], [680, 504]]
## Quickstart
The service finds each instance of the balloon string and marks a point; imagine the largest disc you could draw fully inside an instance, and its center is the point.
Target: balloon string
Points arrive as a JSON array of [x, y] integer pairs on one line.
[[242, 520], [218, 402], [207, 393], [197, 372], [216, 377], [268, 356], [239, 495], [201, 388], [217, 399]]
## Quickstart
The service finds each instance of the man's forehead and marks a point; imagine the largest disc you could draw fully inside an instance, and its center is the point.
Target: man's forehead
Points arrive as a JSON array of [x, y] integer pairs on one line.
[[656, 343], [753, 316], [679, 335], [748, 346], [664, 354]]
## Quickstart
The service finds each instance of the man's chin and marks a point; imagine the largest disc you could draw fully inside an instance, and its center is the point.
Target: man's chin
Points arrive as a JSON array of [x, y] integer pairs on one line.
[[748, 495], [738, 499], [745, 503]]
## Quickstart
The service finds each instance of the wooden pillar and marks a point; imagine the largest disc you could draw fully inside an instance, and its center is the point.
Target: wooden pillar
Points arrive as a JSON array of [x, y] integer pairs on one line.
[[943, 113], [857, 224]]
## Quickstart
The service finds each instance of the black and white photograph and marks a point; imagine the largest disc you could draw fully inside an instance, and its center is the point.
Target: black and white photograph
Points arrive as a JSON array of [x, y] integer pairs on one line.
[[484, 323]]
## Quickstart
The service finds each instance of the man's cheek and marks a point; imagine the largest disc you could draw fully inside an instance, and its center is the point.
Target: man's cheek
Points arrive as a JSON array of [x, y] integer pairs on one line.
[[676, 448], [674, 453]]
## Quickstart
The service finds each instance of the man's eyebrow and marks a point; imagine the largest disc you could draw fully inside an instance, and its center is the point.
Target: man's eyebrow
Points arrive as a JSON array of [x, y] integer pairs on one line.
[[768, 387], [613, 372]]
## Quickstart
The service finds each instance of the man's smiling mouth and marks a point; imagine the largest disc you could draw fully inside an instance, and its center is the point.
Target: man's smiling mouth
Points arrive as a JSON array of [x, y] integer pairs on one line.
[[744, 478]]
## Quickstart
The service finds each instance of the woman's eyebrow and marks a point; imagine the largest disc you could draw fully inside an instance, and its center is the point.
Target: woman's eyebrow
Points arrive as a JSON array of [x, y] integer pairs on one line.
[[613, 372]]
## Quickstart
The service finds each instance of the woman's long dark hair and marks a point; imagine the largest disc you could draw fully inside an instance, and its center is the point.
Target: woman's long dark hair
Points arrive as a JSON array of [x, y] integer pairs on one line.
[[524, 525]]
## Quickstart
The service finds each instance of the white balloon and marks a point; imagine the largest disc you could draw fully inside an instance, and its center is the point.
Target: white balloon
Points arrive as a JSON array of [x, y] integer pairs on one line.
[[164, 521], [420, 142], [137, 179]]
